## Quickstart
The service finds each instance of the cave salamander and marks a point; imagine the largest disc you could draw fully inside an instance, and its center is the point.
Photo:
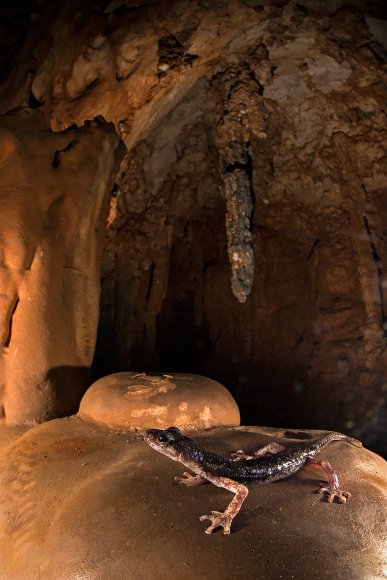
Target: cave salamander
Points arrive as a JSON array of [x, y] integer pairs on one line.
[[271, 463]]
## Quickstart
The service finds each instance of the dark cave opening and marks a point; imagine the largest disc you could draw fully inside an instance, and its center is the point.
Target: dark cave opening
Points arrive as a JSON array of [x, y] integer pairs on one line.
[[269, 352], [202, 329]]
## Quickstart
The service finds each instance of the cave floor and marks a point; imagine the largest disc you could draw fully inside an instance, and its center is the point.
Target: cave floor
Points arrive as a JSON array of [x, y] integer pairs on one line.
[[80, 500]]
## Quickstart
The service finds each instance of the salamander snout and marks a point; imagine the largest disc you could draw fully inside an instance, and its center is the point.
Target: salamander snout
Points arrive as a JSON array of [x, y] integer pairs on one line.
[[163, 439]]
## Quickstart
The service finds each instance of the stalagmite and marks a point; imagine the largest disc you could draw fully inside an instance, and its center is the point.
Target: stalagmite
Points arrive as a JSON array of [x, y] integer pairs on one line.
[[53, 199]]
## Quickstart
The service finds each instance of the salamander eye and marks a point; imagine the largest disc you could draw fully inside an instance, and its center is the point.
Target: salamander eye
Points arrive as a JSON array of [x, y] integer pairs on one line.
[[162, 438]]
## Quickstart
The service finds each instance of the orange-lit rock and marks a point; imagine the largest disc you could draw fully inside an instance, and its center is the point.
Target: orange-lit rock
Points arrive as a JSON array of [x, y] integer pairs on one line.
[[78, 500], [246, 233], [140, 401], [53, 190]]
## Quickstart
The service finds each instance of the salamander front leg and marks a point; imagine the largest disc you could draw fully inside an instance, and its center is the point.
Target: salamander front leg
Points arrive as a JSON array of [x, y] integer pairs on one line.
[[224, 519], [191, 480], [269, 449], [333, 489]]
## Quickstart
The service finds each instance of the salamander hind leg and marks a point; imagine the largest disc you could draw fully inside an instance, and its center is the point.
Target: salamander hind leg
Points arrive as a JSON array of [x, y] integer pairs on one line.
[[333, 489]]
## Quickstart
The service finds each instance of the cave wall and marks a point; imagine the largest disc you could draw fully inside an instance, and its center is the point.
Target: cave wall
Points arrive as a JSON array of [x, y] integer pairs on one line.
[[246, 236]]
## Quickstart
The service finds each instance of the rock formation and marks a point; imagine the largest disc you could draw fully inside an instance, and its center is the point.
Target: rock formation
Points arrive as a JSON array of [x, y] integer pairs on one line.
[[246, 234], [241, 236], [142, 401], [80, 500], [52, 196]]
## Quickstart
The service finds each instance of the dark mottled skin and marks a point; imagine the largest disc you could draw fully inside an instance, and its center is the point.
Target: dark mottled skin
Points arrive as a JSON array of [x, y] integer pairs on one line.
[[232, 474], [261, 470]]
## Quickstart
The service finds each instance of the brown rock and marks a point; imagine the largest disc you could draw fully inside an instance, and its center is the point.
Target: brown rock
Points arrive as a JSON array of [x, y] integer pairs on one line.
[[52, 197], [80, 500], [256, 168], [141, 401]]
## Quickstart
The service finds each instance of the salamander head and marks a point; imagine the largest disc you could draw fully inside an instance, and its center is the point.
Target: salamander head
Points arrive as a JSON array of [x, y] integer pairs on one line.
[[165, 441]]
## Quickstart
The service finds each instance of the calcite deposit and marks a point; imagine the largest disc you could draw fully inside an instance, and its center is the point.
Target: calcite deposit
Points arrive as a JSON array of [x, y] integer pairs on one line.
[[239, 234], [140, 401], [78, 500], [52, 195], [246, 233]]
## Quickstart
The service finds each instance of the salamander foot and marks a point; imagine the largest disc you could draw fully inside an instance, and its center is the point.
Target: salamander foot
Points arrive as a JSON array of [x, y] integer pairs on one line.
[[333, 491], [218, 520], [191, 480]]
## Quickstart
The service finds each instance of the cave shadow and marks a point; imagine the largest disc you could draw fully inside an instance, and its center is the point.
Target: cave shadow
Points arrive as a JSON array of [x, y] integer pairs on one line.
[[68, 384]]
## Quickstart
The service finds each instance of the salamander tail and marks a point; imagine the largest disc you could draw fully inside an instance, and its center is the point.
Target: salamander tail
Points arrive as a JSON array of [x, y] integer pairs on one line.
[[324, 441]]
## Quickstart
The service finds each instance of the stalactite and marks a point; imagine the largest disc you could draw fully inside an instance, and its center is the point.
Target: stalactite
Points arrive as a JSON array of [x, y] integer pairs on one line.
[[240, 115]]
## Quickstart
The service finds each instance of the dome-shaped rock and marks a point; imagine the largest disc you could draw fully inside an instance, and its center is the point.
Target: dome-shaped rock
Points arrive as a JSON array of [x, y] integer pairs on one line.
[[140, 400]]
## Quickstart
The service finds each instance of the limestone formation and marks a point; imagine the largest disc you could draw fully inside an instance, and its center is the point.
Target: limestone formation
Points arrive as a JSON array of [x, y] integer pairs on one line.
[[80, 500], [246, 236], [52, 196], [242, 237], [141, 401]]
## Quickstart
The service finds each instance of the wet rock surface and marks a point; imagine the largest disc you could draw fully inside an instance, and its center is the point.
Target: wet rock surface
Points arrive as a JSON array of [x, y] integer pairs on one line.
[[141, 401], [81, 500]]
